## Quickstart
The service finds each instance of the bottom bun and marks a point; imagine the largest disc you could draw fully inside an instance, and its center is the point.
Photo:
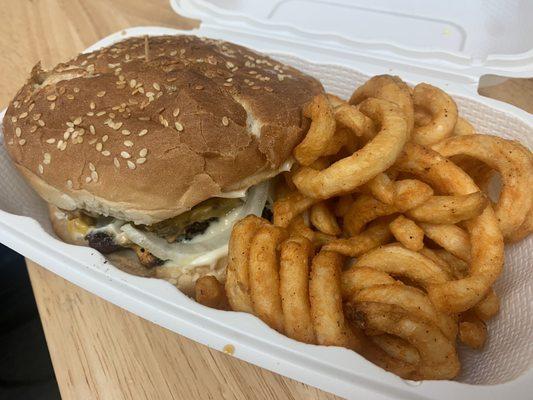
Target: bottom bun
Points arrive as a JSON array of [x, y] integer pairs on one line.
[[127, 261]]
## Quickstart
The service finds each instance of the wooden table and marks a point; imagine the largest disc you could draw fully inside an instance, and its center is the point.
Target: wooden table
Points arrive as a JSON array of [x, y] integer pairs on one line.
[[99, 350]]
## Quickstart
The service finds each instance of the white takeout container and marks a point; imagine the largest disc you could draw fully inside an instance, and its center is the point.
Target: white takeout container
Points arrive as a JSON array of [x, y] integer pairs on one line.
[[449, 44]]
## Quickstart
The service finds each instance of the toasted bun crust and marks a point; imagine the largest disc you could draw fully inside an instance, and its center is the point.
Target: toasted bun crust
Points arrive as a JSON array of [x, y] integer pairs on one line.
[[147, 128], [127, 261]]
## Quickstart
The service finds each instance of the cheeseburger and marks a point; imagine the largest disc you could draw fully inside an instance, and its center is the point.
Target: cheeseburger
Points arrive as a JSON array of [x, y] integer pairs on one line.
[[150, 149]]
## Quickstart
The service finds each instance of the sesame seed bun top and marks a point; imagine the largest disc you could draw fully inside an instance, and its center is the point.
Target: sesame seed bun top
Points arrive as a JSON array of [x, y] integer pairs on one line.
[[149, 127]]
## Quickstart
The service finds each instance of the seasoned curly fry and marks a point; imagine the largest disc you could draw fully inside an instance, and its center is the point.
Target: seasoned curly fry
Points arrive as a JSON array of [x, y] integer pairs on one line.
[[375, 157], [443, 113]]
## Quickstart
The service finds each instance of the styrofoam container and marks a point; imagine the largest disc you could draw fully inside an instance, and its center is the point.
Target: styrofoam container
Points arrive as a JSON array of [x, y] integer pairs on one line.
[[448, 44]]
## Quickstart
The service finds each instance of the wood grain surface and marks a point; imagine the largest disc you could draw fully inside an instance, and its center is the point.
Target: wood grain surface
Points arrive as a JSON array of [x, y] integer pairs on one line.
[[98, 350]]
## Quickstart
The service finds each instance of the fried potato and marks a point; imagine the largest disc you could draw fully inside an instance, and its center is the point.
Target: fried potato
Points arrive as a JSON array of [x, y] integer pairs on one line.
[[472, 330], [355, 279], [382, 188], [398, 261], [410, 193], [409, 234], [463, 127], [295, 255], [390, 88], [210, 292], [364, 210], [485, 236], [397, 348], [355, 121], [298, 227], [515, 166], [237, 273], [323, 219], [442, 109], [376, 156], [330, 326], [376, 234], [488, 307], [449, 209], [449, 237], [343, 205], [320, 133], [438, 356], [412, 301], [287, 208], [264, 275]]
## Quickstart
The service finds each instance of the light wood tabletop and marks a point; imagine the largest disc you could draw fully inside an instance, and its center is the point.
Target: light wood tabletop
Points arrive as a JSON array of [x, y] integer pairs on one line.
[[98, 350]]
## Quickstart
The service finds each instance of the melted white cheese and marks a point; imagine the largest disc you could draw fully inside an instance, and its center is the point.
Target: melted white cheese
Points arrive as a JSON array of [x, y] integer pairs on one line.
[[203, 249]]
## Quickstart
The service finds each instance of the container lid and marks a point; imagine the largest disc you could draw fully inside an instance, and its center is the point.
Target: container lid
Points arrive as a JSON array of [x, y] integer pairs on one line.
[[493, 36]]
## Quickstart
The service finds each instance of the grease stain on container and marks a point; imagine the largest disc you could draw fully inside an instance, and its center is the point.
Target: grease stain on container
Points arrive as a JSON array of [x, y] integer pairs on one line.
[[229, 349]]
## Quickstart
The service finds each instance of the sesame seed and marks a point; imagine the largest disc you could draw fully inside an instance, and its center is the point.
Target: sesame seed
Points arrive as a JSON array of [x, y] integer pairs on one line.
[[92, 106], [41, 169], [63, 146], [69, 183], [77, 121], [176, 112], [150, 94], [23, 115], [116, 162], [106, 153], [198, 87], [50, 141], [100, 113], [143, 132], [125, 154], [94, 176], [16, 104], [76, 90], [66, 135], [70, 97], [128, 143], [133, 82], [13, 119], [18, 131], [156, 86], [143, 152], [104, 138], [144, 118], [225, 121], [60, 143], [52, 106], [88, 179], [141, 160], [179, 127], [36, 117], [47, 158], [70, 124], [33, 128], [126, 132], [51, 97], [89, 114], [117, 126], [40, 122], [131, 165], [99, 146], [91, 129], [22, 142], [100, 94]]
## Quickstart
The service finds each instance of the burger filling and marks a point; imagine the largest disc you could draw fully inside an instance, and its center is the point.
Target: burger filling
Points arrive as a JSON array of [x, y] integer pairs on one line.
[[197, 237]]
